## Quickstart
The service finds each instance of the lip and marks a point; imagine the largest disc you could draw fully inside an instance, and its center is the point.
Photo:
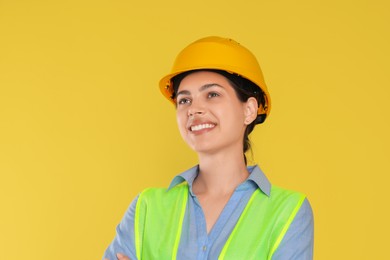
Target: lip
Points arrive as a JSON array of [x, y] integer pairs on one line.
[[200, 126]]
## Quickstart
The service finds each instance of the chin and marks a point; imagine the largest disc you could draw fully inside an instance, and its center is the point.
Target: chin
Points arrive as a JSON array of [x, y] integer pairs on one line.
[[204, 148], [199, 147]]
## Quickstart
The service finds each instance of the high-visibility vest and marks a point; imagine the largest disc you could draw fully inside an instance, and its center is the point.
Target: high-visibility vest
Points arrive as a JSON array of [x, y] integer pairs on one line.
[[159, 217]]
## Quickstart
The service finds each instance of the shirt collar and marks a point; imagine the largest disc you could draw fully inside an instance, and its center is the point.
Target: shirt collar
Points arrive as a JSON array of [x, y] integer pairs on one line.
[[256, 176]]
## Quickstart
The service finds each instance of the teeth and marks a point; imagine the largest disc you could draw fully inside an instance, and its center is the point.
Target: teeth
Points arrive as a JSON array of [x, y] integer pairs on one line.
[[202, 126]]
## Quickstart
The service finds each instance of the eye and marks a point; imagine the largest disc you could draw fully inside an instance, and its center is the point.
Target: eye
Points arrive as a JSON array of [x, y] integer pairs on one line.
[[183, 101], [212, 94]]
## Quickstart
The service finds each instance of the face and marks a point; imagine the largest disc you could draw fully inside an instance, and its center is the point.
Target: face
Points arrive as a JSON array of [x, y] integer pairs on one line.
[[210, 116]]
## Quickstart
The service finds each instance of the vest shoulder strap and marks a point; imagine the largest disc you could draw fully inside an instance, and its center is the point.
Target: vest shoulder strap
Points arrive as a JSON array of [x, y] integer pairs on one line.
[[158, 221], [263, 224]]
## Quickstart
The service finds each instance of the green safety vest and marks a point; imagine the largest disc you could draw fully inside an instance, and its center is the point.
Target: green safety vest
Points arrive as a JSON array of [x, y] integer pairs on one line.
[[261, 227]]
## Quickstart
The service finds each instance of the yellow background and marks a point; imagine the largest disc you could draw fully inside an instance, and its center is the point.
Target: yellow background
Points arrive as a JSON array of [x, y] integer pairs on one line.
[[83, 127]]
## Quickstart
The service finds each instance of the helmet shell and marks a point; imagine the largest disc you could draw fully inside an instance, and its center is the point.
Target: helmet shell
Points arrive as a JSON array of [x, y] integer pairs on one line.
[[218, 53]]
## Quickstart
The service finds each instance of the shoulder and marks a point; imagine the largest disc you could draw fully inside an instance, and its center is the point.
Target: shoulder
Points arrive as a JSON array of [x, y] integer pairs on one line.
[[163, 195], [304, 219], [281, 197], [302, 209], [278, 191], [296, 238], [298, 242]]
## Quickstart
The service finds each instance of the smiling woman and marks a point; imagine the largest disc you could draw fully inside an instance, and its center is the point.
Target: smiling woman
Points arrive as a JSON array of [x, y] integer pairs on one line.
[[222, 208]]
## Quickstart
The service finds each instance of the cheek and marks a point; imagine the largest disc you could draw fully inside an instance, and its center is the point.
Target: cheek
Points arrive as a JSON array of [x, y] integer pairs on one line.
[[234, 117], [181, 122], [231, 112]]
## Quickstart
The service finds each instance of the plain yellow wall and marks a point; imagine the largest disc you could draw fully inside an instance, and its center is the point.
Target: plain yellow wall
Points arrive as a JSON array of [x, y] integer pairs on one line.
[[83, 127]]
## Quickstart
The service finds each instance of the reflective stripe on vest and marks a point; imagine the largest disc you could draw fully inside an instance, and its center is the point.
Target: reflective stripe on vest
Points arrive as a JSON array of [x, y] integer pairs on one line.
[[260, 229]]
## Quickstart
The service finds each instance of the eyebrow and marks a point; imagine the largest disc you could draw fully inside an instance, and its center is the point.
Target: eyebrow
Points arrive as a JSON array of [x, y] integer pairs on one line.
[[202, 88]]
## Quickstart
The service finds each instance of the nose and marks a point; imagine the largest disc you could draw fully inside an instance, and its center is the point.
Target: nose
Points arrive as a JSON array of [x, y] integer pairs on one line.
[[195, 109], [191, 113]]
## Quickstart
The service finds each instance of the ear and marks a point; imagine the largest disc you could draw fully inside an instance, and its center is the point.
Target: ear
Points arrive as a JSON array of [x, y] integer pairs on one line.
[[250, 110]]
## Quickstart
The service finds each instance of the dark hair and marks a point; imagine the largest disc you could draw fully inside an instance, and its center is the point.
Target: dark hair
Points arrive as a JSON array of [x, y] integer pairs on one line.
[[244, 89]]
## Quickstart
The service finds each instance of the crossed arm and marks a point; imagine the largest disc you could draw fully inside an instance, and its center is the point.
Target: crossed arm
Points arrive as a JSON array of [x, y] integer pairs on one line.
[[120, 257]]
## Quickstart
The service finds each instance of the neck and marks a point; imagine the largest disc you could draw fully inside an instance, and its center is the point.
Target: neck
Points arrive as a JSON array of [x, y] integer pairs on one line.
[[220, 173]]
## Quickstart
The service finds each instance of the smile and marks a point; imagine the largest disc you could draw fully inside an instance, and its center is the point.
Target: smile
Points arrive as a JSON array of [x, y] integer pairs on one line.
[[201, 127]]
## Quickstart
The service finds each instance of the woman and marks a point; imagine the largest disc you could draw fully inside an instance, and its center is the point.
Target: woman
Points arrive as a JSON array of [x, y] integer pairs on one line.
[[221, 208]]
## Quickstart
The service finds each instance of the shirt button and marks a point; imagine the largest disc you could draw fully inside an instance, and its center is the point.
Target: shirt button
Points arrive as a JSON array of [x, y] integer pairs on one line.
[[204, 248]]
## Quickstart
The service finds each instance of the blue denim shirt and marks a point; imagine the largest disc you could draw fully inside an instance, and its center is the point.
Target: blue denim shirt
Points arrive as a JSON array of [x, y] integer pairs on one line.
[[195, 243]]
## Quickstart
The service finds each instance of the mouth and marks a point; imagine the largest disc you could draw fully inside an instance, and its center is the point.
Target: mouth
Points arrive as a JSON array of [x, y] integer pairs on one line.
[[195, 128]]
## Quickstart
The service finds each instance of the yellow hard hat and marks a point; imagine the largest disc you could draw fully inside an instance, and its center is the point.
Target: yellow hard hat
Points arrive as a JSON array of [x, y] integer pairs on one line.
[[222, 54]]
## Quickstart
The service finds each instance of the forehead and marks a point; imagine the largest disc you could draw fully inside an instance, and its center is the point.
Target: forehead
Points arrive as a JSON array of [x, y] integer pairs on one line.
[[199, 78]]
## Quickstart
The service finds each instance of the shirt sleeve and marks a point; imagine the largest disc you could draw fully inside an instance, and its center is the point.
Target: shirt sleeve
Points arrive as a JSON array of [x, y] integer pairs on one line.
[[297, 244], [124, 239]]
